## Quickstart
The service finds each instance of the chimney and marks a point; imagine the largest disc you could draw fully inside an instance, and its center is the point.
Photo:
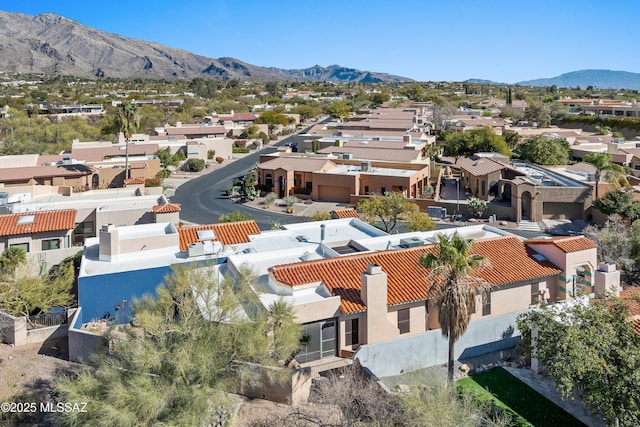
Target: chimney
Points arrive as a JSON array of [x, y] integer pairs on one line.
[[373, 292], [322, 228], [607, 279], [108, 242]]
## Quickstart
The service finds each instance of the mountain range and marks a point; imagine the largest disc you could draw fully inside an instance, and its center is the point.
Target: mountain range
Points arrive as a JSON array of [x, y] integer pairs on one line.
[[55, 45], [601, 79]]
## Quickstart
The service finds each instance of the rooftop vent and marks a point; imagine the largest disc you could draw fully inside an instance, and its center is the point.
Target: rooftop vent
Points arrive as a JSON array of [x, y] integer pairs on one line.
[[302, 238], [411, 242], [307, 256]]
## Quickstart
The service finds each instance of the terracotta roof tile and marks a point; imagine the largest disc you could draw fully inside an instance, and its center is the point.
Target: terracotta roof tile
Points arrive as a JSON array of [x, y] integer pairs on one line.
[[345, 213], [479, 166], [636, 326], [566, 244], [227, 233], [133, 181], [631, 298], [166, 208], [43, 221], [511, 261]]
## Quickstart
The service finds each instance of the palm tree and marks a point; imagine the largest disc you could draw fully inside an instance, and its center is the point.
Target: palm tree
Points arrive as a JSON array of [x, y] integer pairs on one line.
[[606, 170], [457, 288], [284, 331], [126, 121], [11, 259]]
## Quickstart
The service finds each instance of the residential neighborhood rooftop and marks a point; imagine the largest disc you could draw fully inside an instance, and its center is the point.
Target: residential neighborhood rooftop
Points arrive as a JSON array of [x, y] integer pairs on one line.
[[37, 222]]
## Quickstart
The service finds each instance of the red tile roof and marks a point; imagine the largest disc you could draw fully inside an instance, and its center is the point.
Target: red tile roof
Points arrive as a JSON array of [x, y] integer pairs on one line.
[[566, 244], [480, 166], [166, 208], [133, 181], [227, 233], [345, 213], [631, 298], [636, 326], [511, 261], [43, 221]]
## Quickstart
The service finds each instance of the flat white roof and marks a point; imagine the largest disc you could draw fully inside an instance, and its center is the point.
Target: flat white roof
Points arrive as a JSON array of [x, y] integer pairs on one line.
[[108, 199], [353, 170], [141, 231]]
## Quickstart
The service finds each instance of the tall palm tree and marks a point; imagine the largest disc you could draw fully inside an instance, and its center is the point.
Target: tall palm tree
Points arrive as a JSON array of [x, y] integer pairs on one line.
[[126, 121], [606, 170], [456, 288]]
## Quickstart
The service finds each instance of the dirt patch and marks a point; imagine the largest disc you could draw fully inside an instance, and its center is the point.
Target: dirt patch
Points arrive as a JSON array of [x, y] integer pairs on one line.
[[27, 375], [263, 413]]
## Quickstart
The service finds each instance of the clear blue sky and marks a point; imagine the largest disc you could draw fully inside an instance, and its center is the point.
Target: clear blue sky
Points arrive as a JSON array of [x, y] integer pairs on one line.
[[500, 40]]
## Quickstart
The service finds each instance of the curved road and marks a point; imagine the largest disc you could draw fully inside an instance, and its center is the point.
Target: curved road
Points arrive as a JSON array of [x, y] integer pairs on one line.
[[204, 199]]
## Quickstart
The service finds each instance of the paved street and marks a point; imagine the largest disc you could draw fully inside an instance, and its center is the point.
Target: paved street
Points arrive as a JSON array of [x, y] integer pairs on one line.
[[204, 199]]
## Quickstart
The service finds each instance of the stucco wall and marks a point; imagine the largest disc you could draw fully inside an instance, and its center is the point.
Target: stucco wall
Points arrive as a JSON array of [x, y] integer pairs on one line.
[[288, 386], [314, 311], [14, 330], [35, 241], [430, 348], [83, 343]]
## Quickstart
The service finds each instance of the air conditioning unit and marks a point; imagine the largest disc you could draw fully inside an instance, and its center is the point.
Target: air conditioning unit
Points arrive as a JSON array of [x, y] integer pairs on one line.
[[347, 156], [365, 166], [195, 249], [411, 242]]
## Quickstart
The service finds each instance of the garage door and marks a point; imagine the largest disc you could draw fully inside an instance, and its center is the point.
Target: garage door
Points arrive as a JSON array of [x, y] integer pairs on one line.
[[331, 193], [556, 210]]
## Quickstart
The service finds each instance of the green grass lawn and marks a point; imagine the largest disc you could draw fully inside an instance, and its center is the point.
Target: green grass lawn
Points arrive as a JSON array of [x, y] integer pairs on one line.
[[526, 406]]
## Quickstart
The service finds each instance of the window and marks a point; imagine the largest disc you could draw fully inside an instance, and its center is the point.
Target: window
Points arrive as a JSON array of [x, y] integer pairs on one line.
[[484, 184], [309, 185], [84, 228], [23, 246], [366, 189], [486, 303], [351, 332], [50, 244], [404, 321], [535, 294], [383, 190]]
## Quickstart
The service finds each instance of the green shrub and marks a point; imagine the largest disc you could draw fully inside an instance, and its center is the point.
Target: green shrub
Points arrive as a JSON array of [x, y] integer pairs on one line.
[[152, 182], [164, 173], [269, 199], [211, 154], [235, 217], [238, 150], [320, 216], [195, 165], [302, 190]]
